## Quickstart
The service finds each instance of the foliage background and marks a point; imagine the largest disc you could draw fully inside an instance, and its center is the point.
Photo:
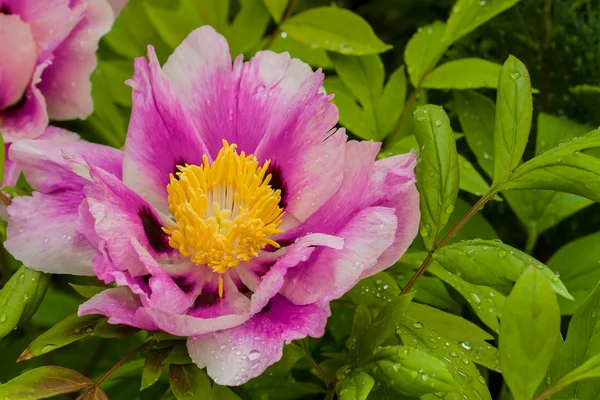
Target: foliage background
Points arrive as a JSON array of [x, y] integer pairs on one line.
[[558, 41]]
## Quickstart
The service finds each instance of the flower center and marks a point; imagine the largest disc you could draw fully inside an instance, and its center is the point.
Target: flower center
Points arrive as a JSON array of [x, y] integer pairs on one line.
[[225, 211]]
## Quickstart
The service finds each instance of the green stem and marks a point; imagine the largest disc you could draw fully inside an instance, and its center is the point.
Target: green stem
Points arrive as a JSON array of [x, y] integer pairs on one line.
[[429, 259], [551, 390], [114, 367], [330, 393], [403, 116], [315, 364], [273, 35]]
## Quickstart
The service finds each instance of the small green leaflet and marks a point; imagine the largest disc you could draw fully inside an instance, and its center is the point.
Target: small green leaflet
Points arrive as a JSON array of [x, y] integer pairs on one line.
[[514, 107], [276, 8], [44, 382], [20, 297], [467, 15], [437, 170], [355, 386], [189, 382], [334, 29], [423, 51], [490, 262], [577, 264], [67, 331], [581, 345], [528, 333], [466, 73]]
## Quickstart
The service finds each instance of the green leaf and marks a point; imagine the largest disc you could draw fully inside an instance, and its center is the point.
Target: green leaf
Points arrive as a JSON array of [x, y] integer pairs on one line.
[[106, 330], [363, 76], [485, 301], [67, 331], [355, 386], [374, 291], [424, 50], [361, 319], [279, 388], [20, 298], [476, 114], [587, 370], [453, 327], [153, 367], [477, 226], [470, 180], [214, 13], [173, 24], [132, 32], [334, 29], [383, 325], [577, 264], [314, 57], [292, 353], [595, 89], [466, 73], [432, 291], [530, 321], [57, 305], [189, 382], [582, 343], [419, 336], [248, 27], [563, 168], [411, 372], [276, 8], [488, 262], [107, 124], [469, 14], [437, 171], [88, 291], [391, 102], [179, 355], [538, 210], [401, 146], [353, 117], [514, 107], [552, 131], [471, 337], [44, 382], [223, 393]]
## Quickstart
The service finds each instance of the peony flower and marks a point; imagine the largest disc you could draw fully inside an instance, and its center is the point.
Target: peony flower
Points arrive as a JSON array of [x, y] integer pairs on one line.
[[52, 46], [235, 214]]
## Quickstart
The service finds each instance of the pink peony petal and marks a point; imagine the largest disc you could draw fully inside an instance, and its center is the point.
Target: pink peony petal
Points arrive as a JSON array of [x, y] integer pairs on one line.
[[120, 305], [234, 356], [42, 233], [18, 62], [331, 273], [120, 215], [66, 83], [28, 118], [161, 134]]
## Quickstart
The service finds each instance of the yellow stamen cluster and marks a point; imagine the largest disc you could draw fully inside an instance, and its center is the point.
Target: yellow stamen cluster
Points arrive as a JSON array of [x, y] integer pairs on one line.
[[224, 212]]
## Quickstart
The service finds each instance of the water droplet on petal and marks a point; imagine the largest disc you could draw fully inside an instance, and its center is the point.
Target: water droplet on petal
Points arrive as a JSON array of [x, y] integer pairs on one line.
[[254, 355]]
